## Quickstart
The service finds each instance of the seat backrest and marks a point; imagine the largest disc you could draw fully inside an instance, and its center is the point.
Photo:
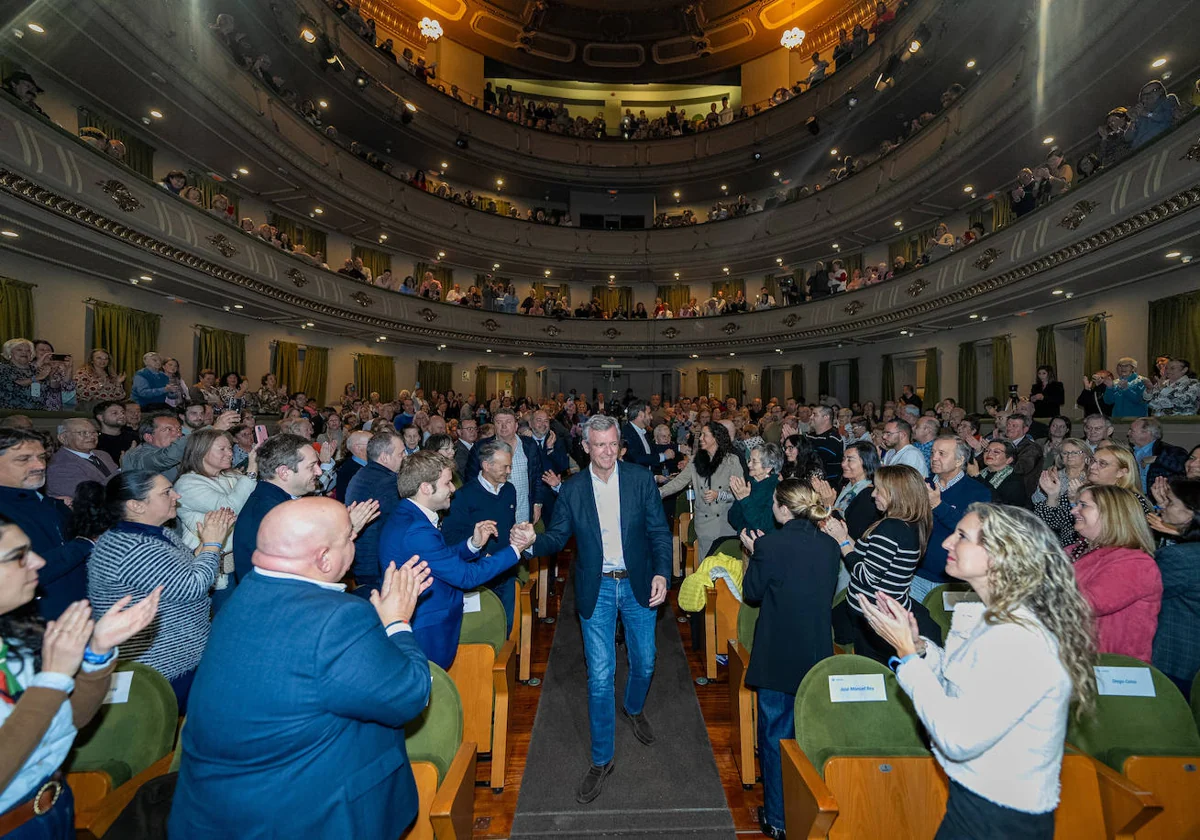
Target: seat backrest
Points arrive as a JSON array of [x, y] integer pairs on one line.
[[746, 621], [123, 739], [731, 546], [1196, 699], [436, 734], [488, 626], [681, 503], [936, 605], [1125, 726], [825, 729]]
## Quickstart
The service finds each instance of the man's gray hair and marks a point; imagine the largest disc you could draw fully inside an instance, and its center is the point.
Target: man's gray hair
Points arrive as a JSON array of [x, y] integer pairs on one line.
[[489, 448], [598, 423], [962, 451], [912, 410]]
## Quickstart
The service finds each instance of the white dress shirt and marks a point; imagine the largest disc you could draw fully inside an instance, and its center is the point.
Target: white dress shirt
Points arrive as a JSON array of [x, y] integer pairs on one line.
[[608, 511]]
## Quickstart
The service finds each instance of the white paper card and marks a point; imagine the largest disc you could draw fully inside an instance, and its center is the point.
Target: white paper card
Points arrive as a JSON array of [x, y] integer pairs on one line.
[[118, 692], [857, 688], [952, 599], [1124, 682], [471, 602]]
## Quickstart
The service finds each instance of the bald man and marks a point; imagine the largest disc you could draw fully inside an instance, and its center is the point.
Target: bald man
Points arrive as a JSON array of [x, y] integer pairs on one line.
[[295, 721], [356, 445], [78, 460]]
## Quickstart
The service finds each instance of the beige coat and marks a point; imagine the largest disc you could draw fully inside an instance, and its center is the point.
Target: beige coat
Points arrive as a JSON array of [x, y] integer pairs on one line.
[[711, 518]]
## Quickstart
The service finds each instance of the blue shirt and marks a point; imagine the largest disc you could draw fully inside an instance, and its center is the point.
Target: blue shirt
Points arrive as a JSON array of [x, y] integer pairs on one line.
[[149, 386], [1141, 455]]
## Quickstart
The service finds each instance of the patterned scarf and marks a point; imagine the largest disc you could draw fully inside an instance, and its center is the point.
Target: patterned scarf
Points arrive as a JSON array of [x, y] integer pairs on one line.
[[10, 687], [997, 478]]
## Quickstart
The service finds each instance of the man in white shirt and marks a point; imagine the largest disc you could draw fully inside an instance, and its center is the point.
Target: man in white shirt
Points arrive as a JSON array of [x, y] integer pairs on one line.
[[455, 294], [897, 437], [725, 115]]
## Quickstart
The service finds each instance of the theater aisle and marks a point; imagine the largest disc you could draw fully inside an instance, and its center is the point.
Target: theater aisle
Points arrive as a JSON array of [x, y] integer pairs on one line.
[[671, 789]]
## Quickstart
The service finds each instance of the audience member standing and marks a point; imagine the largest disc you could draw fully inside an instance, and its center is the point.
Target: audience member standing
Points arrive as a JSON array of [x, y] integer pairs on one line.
[[1029, 452], [163, 444], [377, 481], [468, 433], [314, 744], [950, 494], [827, 443], [150, 384], [639, 446], [77, 460], [96, 383], [995, 701], [356, 448], [1124, 393], [527, 467], [1047, 394], [708, 474], [115, 437], [754, 500]]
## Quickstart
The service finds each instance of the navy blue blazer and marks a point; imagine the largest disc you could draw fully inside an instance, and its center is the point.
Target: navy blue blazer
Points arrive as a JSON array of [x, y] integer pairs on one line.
[[374, 481], [263, 500], [46, 521], [344, 475], [539, 492], [555, 457], [635, 452], [645, 537], [295, 720], [438, 618]]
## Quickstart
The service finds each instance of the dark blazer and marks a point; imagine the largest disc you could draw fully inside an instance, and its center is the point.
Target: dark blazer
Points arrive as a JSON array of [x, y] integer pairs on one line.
[[861, 514], [1010, 492], [266, 496], [67, 471], [1029, 463], [645, 537], [345, 474], [374, 481], [438, 618], [314, 745], [635, 451], [46, 521], [1051, 403], [555, 457], [793, 575], [472, 503], [461, 453], [539, 492], [946, 515]]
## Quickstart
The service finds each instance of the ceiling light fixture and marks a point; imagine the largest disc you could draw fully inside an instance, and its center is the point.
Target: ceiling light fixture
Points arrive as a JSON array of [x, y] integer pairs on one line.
[[41, 30], [724, 188], [778, 350], [10, 234], [134, 281], [1158, 62], [411, 107], [495, 265], [1185, 259], [1057, 292], [676, 275], [733, 354], [973, 317], [431, 30], [695, 355], [676, 193], [833, 151], [546, 272], [309, 324], [499, 182], [324, 103], [157, 114], [968, 188], [382, 338], [971, 64], [1046, 141], [318, 210], [612, 277], [238, 306], [898, 223], [488, 350], [792, 38], [441, 254], [146, 277], [836, 246], [445, 165], [307, 33], [779, 260], [383, 237], [1171, 255], [725, 269], [775, 174], [243, 170]]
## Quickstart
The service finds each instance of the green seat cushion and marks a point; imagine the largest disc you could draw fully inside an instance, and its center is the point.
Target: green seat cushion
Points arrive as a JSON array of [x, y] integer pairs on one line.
[[1126, 726], [523, 574], [436, 734], [825, 729], [747, 620], [726, 545], [489, 626], [681, 503], [123, 739], [691, 534], [937, 607]]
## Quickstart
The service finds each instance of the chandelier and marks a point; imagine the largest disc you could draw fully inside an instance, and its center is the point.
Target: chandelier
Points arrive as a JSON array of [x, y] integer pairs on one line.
[[792, 38], [431, 29]]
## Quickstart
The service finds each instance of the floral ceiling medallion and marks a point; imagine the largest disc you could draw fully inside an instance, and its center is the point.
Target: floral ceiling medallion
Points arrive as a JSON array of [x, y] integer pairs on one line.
[[670, 332], [730, 328], [120, 193], [1193, 153], [491, 325], [790, 321], [298, 277], [988, 257], [363, 298], [917, 286], [853, 307], [1075, 218], [612, 332], [218, 241], [552, 331], [428, 314]]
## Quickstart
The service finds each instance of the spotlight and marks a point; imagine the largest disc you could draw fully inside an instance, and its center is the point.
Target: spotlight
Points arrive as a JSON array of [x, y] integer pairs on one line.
[[971, 64], [323, 103], [362, 79], [775, 174], [851, 98], [1158, 62], [41, 30], [814, 128], [308, 31], [919, 37], [461, 141], [411, 107], [887, 77]]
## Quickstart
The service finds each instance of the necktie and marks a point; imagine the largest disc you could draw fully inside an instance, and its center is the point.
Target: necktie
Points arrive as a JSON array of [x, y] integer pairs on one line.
[[98, 464]]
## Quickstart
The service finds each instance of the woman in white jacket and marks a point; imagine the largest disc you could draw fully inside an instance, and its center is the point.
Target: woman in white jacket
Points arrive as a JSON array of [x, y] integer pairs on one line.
[[995, 701], [207, 482]]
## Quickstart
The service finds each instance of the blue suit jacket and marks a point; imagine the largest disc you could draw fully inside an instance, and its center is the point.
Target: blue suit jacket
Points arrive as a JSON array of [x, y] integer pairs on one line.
[[635, 453], [344, 475], [645, 537], [63, 580], [377, 482], [295, 720], [438, 618], [539, 492], [263, 500]]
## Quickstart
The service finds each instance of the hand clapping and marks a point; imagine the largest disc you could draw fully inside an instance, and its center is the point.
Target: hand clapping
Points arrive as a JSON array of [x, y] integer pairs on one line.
[[483, 531], [396, 598], [361, 515], [738, 487]]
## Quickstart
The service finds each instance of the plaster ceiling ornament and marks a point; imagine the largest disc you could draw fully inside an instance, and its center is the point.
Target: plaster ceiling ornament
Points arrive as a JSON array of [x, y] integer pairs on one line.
[[853, 307], [1193, 153], [363, 298], [218, 241], [428, 314], [792, 38], [1078, 213], [988, 257], [917, 286], [491, 325], [431, 30], [790, 321], [670, 332], [612, 332], [730, 328], [552, 331], [298, 277], [119, 193]]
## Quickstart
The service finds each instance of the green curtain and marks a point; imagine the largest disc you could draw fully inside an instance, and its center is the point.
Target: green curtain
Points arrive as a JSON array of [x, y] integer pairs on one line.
[[702, 383], [1095, 350], [968, 376], [375, 373], [764, 383], [435, 376], [139, 155], [127, 334], [737, 384], [208, 188], [854, 380], [675, 297], [16, 310], [823, 380], [912, 246], [798, 383], [481, 373], [887, 383], [772, 287], [1001, 367], [1174, 327], [933, 380], [316, 373], [313, 240], [520, 383], [442, 273], [612, 297], [730, 287], [376, 262], [221, 350], [1046, 351], [1001, 212], [286, 366]]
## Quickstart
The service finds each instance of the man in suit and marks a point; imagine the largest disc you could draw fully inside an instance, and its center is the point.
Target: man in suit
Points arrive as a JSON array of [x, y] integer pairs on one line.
[[425, 487], [325, 682], [377, 480], [639, 446], [356, 445], [468, 433], [1029, 452], [490, 496], [623, 562], [78, 460], [45, 520], [553, 450], [528, 468]]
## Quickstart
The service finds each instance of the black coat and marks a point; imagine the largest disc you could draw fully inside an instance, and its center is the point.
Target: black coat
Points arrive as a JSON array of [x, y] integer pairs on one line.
[[861, 514], [793, 575], [1010, 492]]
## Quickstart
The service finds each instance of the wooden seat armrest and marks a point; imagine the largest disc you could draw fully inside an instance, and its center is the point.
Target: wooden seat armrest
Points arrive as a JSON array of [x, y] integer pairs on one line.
[[95, 822], [452, 812], [90, 788], [504, 683], [810, 807], [525, 629], [1127, 808]]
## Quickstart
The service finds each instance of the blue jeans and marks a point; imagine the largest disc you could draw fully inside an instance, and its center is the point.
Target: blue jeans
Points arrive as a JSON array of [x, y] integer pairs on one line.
[[58, 824], [776, 722], [599, 648]]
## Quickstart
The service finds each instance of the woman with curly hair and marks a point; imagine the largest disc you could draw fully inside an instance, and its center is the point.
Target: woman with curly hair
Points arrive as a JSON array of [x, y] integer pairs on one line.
[[800, 461], [996, 699], [709, 472], [95, 383]]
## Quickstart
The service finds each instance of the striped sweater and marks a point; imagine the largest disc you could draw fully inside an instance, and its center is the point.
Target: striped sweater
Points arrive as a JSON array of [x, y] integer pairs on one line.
[[133, 559], [884, 560]]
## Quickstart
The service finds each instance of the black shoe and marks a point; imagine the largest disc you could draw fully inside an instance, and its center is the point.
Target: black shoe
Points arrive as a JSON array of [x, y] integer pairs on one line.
[[593, 783], [769, 830], [641, 727]]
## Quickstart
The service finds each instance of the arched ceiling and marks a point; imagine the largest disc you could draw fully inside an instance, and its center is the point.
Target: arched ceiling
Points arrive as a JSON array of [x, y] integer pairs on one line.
[[625, 40]]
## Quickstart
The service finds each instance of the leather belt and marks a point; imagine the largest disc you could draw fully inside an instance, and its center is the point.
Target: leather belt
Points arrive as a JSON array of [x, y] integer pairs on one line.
[[40, 804], [616, 574]]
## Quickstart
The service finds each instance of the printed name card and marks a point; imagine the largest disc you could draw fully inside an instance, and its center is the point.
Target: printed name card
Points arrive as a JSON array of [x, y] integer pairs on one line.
[[471, 602], [857, 688], [1117, 681], [952, 599], [118, 692]]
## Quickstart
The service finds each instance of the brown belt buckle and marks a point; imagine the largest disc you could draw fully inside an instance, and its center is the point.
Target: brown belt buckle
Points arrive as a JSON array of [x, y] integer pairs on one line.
[[54, 788]]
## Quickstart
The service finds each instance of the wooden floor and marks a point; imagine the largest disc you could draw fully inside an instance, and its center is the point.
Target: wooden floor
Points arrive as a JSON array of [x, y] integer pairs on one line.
[[494, 812]]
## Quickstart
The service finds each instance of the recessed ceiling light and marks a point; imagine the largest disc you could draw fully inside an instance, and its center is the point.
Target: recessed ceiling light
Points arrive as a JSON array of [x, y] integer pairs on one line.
[[243, 170], [903, 332], [695, 356], [441, 346], [318, 210], [777, 350], [488, 350], [39, 29], [157, 114], [1046, 141], [135, 281], [677, 274], [779, 260], [383, 237], [723, 188], [499, 182], [1173, 254], [309, 324], [146, 277], [733, 354], [1069, 295], [441, 254], [676, 193], [410, 107], [836, 246], [833, 151], [445, 165], [524, 352], [226, 308], [546, 272], [323, 103], [968, 188], [1158, 62], [898, 223], [11, 234], [238, 306], [775, 174], [971, 64], [726, 269], [1057, 292], [973, 317], [983, 317], [495, 265], [1185, 259], [612, 277]]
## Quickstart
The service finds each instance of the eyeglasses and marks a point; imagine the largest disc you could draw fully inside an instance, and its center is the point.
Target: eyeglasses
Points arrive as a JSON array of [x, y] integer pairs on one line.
[[1071, 453], [21, 558]]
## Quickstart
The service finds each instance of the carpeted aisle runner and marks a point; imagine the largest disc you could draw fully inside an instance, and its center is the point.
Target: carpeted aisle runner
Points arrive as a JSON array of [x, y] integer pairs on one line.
[[667, 790]]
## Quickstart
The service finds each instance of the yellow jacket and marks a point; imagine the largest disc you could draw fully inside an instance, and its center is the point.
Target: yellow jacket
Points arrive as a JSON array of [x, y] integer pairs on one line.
[[692, 594]]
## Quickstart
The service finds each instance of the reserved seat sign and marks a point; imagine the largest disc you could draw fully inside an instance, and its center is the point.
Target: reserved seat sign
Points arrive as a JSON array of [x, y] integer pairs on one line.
[[1122, 681], [857, 688]]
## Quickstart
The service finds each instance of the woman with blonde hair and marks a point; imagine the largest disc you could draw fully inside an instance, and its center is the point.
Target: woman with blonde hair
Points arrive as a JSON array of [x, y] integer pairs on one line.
[[996, 700], [96, 383], [886, 556], [792, 574], [1112, 465], [1115, 568], [17, 375]]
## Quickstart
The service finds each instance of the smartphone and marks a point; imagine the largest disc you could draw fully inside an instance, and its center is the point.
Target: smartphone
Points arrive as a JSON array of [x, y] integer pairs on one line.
[[59, 357], [260, 434]]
